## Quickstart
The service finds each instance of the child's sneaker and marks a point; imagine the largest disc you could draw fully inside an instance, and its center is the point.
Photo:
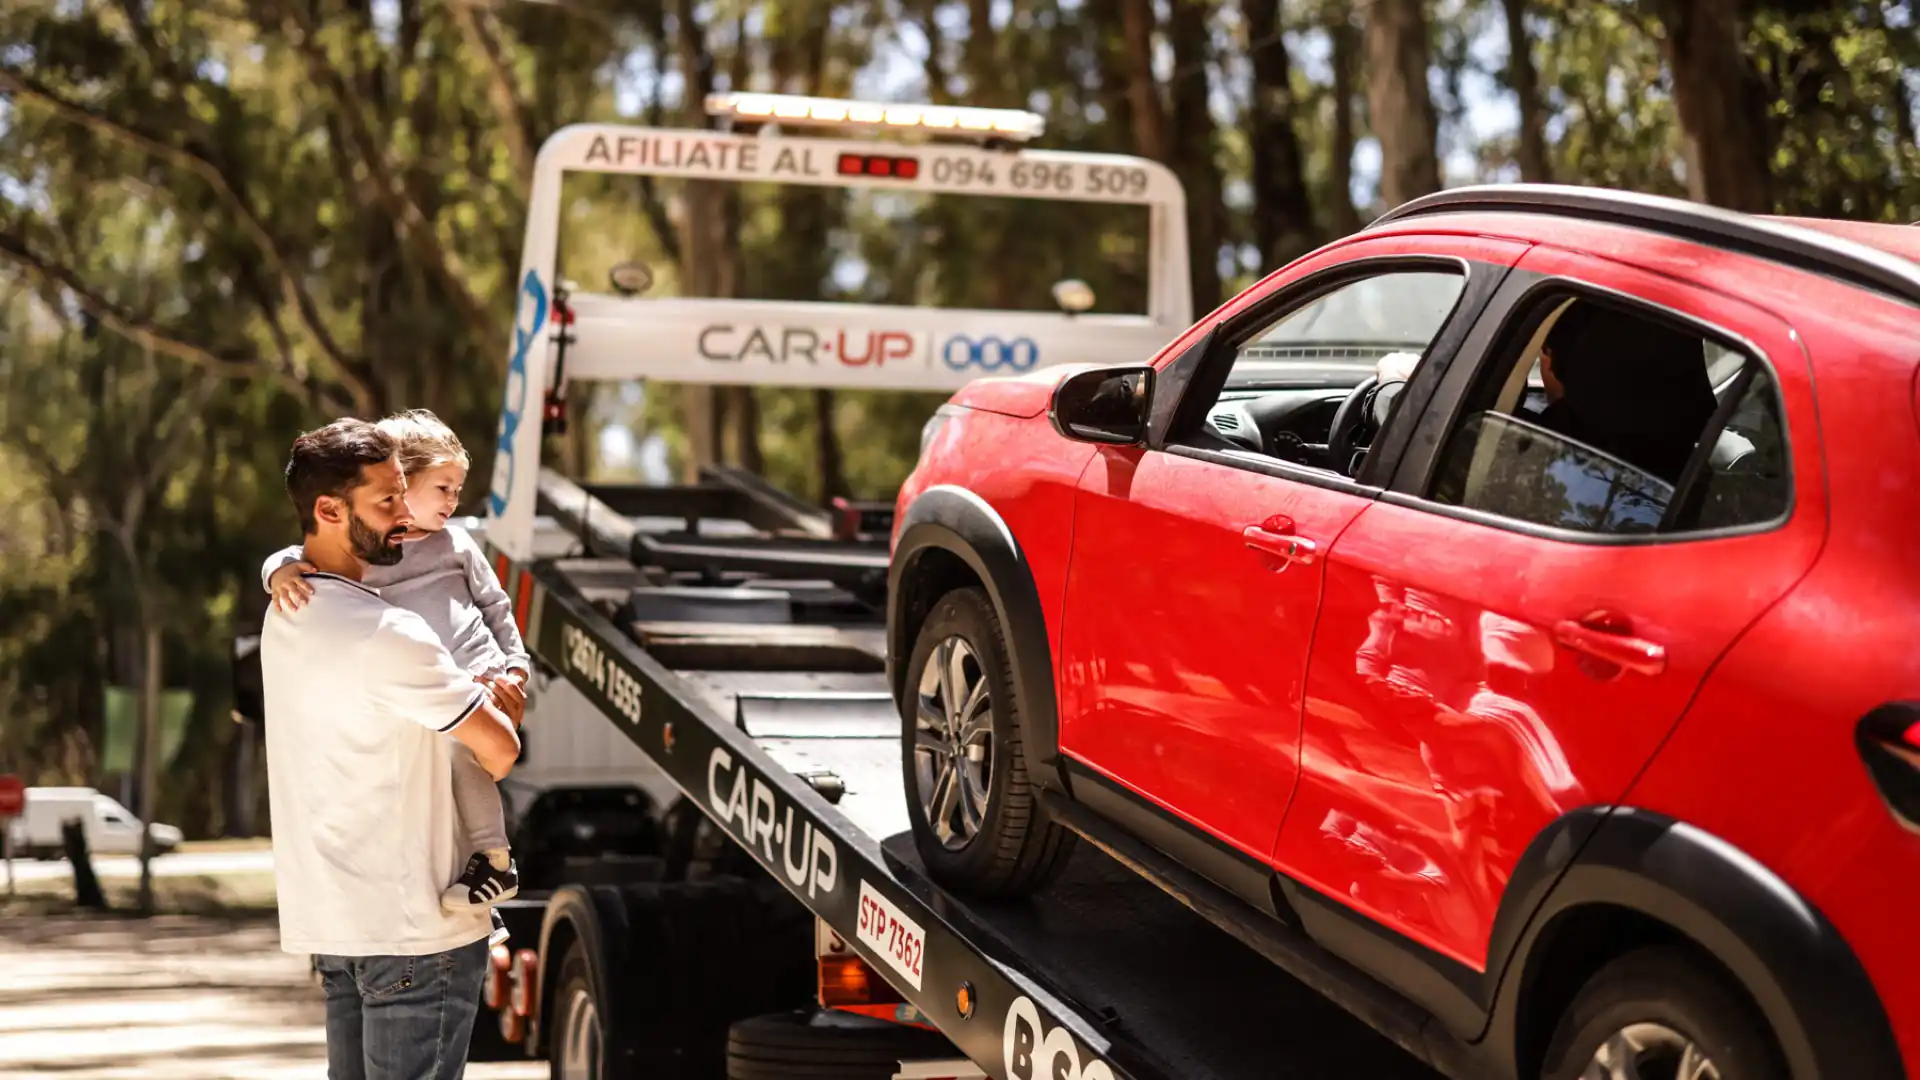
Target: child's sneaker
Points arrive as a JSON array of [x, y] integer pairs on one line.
[[480, 885], [499, 935]]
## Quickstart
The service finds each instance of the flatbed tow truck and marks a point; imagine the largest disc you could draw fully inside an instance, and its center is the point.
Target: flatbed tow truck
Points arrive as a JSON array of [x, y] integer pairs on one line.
[[747, 898]]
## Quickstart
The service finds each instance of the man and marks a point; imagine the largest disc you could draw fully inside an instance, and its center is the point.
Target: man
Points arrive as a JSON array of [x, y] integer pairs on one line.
[[360, 697]]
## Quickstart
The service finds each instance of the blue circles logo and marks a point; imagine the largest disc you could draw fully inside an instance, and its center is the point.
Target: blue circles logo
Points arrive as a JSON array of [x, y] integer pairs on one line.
[[990, 353]]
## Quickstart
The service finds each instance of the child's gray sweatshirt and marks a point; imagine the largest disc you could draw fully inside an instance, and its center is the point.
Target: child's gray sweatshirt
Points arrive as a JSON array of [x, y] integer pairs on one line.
[[445, 579]]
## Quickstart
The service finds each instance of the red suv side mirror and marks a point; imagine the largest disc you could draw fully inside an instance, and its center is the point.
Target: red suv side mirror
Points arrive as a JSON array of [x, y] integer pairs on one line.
[[1109, 405]]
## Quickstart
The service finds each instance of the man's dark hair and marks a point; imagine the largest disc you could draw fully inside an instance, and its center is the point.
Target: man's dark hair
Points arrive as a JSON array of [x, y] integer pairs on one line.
[[329, 461], [1569, 332]]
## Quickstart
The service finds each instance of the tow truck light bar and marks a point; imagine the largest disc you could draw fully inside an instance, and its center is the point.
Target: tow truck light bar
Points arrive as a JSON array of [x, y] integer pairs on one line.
[[900, 168], [794, 109]]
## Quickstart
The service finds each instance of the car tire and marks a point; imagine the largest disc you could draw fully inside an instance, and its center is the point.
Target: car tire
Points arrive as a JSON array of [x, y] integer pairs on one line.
[[819, 1045], [1656, 1006], [983, 833]]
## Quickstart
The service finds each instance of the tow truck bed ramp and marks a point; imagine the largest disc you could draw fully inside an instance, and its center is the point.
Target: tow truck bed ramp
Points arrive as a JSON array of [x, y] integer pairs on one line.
[[1207, 1006], [1104, 977]]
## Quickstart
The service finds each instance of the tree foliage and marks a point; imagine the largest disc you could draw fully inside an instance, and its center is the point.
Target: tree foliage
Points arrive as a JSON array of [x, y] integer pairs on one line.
[[222, 221]]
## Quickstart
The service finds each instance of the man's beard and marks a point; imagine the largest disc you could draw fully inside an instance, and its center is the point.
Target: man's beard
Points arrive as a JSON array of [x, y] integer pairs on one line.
[[371, 547]]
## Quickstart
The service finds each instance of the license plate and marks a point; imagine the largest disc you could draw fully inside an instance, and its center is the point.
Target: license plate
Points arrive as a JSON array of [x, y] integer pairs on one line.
[[887, 931]]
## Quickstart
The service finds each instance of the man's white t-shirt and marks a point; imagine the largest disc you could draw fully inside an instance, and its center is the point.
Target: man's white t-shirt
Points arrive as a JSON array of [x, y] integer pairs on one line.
[[359, 698]]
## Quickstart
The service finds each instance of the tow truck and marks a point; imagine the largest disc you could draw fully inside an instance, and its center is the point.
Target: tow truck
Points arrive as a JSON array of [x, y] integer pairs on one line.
[[709, 814], [726, 894]]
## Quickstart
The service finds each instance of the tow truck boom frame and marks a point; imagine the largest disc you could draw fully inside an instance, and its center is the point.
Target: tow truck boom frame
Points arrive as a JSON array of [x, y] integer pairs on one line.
[[795, 343]]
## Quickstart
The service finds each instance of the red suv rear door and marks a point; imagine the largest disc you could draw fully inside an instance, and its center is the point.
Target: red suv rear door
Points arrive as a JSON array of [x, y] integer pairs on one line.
[[1195, 575], [1511, 631]]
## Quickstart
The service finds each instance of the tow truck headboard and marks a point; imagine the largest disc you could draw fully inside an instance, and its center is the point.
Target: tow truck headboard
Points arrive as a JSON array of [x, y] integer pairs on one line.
[[559, 336]]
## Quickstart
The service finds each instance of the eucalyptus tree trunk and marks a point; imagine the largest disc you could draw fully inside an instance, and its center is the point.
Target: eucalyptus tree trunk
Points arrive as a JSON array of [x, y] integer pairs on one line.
[[1398, 101], [1283, 219], [1721, 103], [1524, 80]]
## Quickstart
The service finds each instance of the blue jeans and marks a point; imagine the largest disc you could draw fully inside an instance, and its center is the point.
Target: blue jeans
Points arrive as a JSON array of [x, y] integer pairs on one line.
[[401, 1017]]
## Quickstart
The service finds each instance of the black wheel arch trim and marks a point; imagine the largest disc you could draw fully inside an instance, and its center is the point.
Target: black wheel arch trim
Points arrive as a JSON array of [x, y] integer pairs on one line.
[[1793, 963], [952, 519]]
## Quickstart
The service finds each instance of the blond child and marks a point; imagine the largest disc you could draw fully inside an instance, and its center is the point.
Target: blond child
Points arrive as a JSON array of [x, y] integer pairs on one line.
[[443, 577]]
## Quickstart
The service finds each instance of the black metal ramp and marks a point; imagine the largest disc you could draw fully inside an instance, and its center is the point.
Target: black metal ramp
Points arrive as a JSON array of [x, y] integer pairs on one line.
[[1208, 1006]]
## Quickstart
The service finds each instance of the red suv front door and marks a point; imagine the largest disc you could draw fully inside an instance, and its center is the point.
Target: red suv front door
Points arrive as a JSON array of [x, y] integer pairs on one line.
[[1498, 646], [1185, 649], [1196, 572]]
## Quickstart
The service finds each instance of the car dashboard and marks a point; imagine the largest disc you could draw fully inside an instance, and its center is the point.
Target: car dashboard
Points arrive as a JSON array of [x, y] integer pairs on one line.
[[1291, 425]]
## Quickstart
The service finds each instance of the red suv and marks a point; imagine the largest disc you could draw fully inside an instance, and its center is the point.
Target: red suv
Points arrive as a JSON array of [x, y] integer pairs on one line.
[[1505, 617]]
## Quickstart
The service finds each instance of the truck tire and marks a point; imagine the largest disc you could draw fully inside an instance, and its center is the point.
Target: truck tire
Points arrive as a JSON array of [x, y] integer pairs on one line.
[[577, 1036], [1658, 1012], [820, 1045], [679, 962], [976, 816]]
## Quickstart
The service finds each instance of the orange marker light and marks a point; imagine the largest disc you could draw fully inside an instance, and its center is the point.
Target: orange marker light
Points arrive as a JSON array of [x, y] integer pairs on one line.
[[494, 990], [847, 980]]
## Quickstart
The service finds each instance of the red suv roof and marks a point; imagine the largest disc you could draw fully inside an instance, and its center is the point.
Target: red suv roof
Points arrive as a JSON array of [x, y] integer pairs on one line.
[[1901, 240], [1884, 258]]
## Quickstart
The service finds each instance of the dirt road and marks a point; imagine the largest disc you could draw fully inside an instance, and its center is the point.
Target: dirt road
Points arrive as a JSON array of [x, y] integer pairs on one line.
[[172, 998]]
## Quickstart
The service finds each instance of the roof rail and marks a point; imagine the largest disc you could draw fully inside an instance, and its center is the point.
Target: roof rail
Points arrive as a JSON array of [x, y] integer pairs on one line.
[[1845, 260]]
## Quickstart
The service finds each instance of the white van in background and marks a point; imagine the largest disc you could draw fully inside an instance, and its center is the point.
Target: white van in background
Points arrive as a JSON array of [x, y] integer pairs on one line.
[[111, 829]]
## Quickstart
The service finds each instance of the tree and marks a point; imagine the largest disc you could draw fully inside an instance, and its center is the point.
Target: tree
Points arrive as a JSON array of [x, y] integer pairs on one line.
[[1195, 150], [1523, 79], [1400, 107], [1283, 217], [1344, 57], [141, 410], [1151, 138], [1721, 103]]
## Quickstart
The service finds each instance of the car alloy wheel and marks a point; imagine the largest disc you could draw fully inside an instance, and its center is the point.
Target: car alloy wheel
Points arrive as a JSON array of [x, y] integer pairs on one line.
[[1648, 1051], [953, 743]]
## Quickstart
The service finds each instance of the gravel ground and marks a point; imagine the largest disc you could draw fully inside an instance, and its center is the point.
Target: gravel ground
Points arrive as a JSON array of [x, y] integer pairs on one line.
[[177, 997]]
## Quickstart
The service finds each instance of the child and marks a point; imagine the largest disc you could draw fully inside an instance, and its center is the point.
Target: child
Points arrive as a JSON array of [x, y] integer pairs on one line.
[[443, 577]]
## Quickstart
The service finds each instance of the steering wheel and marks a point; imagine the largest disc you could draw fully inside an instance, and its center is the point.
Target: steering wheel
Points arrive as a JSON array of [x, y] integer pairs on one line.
[[1346, 422]]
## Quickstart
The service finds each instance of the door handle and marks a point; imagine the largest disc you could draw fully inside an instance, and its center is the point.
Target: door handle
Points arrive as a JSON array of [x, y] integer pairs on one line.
[[1275, 537], [1608, 637]]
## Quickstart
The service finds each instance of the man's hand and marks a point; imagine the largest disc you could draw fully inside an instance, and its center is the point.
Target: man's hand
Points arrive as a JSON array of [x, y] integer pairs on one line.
[[489, 733], [493, 734], [509, 693], [291, 591]]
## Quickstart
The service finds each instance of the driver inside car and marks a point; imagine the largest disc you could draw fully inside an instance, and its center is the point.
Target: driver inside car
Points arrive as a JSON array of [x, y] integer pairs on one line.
[[1396, 367], [1394, 371]]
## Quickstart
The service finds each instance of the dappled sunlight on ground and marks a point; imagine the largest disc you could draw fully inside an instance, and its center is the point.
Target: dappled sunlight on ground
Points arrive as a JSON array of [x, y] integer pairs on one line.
[[174, 998]]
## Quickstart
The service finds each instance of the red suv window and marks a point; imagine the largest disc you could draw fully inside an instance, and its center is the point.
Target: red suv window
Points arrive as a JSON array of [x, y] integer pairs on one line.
[[1611, 420]]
